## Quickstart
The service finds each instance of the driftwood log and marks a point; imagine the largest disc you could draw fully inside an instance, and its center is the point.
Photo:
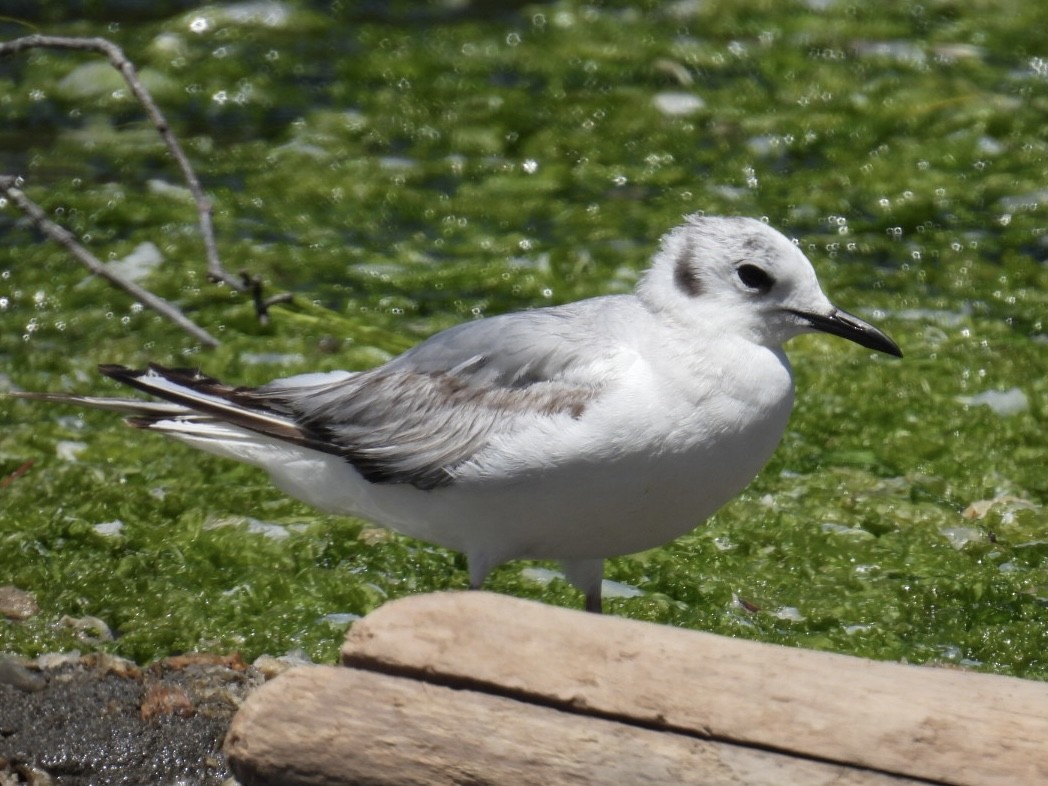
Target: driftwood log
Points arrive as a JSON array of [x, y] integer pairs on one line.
[[485, 689]]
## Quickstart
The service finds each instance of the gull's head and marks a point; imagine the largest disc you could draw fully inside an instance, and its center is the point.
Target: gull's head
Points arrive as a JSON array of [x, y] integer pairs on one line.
[[739, 276]]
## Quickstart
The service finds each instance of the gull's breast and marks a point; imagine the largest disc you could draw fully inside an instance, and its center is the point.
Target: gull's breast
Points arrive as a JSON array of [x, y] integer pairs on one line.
[[648, 461]]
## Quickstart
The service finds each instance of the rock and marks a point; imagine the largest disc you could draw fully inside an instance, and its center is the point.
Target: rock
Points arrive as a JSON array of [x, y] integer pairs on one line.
[[90, 630], [15, 774], [92, 80], [678, 104], [143, 260], [69, 449], [1003, 402], [232, 661], [14, 672], [165, 189], [53, 661], [165, 699], [1006, 504], [17, 604], [112, 664], [271, 667], [109, 529]]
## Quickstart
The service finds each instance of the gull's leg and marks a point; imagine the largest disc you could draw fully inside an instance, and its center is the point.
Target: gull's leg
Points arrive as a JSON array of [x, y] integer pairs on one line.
[[480, 565], [587, 575], [594, 603]]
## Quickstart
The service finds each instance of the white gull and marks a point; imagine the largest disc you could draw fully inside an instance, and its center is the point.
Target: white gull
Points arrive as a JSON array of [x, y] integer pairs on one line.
[[575, 433]]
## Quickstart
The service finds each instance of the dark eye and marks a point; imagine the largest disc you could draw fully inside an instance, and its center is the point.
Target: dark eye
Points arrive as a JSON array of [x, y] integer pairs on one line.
[[755, 278]]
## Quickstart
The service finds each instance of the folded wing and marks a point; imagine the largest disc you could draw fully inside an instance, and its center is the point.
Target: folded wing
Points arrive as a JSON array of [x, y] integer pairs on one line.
[[415, 420]]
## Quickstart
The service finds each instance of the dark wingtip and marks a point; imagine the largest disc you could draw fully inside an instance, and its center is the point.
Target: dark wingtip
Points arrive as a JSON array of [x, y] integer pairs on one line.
[[118, 372], [190, 377], [140, 421], [193, 377]]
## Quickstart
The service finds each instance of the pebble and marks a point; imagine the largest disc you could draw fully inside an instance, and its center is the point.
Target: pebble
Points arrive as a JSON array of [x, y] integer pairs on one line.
[[271, 667], [109, 529], [52, 661], [678, 104], [16, 773], [69, 449], [162, 698], [90, 630], [1006, 504], [959, 537], [17, 604], [1003, 402], [14, 672], [143, 260], [91, 81], [108, 663]]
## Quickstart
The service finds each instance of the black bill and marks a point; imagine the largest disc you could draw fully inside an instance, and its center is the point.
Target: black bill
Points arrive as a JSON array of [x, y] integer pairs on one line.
[[841, 323]]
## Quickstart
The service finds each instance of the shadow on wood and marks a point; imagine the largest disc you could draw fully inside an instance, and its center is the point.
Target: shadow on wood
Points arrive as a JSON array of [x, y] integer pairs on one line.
[[481, 688]]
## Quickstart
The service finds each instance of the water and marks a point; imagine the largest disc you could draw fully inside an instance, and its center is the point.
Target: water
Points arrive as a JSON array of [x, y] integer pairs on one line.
[[400, 169]]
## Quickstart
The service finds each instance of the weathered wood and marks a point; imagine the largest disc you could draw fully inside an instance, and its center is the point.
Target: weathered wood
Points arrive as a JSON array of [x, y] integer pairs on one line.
[[327, 725], [941, 725]]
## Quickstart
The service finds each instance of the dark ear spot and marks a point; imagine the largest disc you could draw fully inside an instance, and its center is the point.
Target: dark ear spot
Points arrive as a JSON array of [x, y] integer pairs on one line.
[[684, 275]]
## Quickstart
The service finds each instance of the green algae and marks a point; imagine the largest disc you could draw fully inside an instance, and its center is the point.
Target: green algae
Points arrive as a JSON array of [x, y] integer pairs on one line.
[[400, 169]]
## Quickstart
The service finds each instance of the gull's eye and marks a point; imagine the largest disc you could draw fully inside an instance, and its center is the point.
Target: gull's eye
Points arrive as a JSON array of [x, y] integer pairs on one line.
[[755, 278]]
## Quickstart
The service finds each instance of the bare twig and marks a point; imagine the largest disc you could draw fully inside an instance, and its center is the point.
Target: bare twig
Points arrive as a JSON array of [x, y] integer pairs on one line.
[[273, 300], [66, 239], [262, 304], [126, 68], [9, 479]]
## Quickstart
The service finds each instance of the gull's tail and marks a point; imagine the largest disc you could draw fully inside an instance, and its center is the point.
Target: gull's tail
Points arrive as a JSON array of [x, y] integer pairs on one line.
[[195, 408]]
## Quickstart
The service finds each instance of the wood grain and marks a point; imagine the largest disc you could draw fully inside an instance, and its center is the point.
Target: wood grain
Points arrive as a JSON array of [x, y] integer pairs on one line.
[[327, 725], [944, 726]]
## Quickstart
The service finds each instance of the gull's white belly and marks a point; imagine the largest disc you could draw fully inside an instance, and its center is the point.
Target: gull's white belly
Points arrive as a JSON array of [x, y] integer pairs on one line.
[[606, 484]]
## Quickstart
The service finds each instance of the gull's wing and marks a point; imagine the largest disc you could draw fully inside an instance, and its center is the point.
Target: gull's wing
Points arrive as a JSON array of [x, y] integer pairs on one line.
[[419, 417]]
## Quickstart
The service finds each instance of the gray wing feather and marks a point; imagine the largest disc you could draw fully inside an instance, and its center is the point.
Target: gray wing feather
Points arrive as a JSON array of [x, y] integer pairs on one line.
[[420, 416]]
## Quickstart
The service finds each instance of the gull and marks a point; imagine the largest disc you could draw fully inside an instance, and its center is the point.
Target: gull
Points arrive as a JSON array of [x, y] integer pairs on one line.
[[574, 433]]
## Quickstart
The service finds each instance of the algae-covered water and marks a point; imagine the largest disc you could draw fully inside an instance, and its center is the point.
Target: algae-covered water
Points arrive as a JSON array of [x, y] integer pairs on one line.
[[403, 167]]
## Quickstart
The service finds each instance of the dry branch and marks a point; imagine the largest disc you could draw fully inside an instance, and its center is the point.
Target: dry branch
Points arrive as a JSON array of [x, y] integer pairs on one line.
[[66, 239], [21, 470], [126, 68], [243, 282]]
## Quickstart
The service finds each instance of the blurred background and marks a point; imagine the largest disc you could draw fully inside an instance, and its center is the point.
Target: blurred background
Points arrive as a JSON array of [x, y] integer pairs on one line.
[[401, 167]]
